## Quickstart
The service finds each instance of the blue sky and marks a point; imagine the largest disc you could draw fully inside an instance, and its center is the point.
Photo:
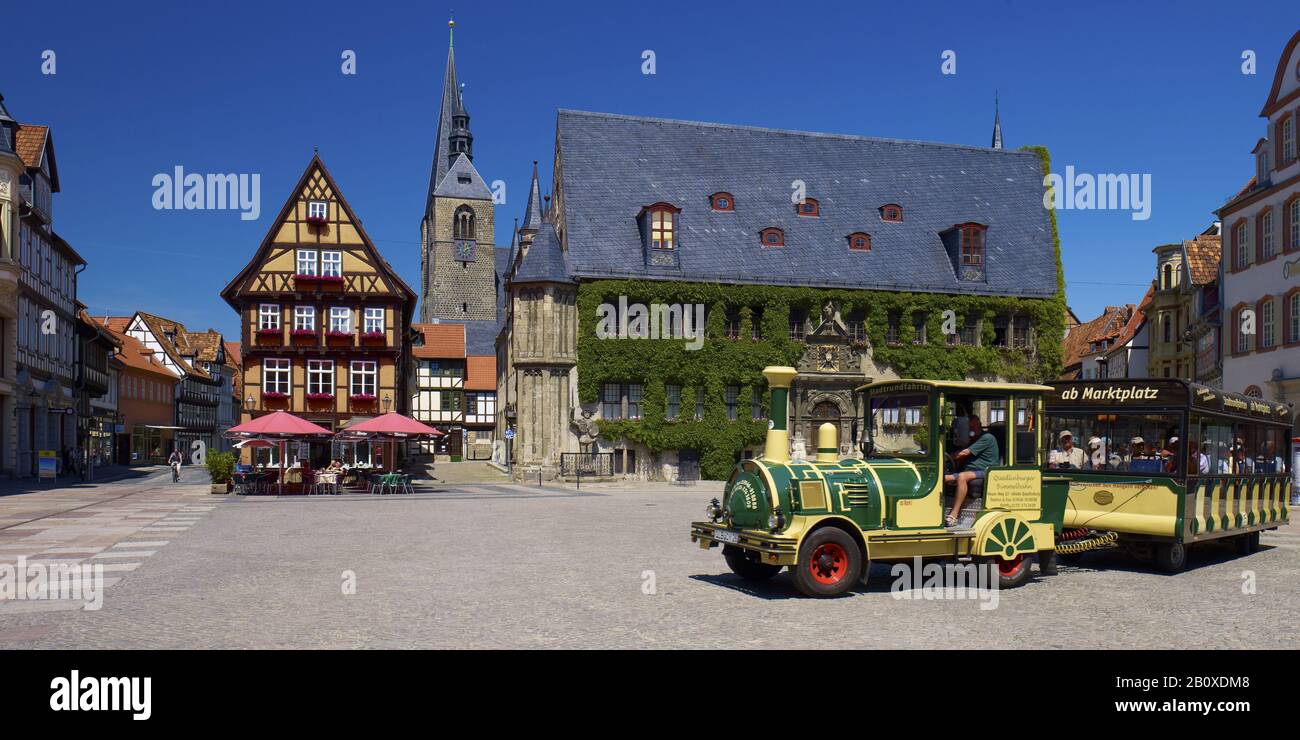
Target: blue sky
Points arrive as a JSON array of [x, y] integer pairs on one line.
[[252, 87]]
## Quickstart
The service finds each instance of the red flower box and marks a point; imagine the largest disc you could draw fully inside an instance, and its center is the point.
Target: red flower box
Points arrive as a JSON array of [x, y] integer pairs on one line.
[[316, 219], [274, 394], [320, 396], [339, 334], [361, 398], [373, 335], [302, 332], [268, 332], [329, 278]]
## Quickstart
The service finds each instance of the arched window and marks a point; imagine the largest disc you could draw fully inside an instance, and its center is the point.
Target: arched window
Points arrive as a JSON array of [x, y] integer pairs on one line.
[[859, 242], [1254, 392], [463, 223], [972, 244], [891, 212], [772, 237], [722, 202], [1168, 277], [808, 207]]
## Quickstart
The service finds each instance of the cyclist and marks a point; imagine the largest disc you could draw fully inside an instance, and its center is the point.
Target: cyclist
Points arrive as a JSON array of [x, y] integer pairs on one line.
[[175, 461]]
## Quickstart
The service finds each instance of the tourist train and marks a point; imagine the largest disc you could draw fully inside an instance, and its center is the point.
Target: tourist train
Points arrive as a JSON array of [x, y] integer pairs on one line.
[[1147, 466]]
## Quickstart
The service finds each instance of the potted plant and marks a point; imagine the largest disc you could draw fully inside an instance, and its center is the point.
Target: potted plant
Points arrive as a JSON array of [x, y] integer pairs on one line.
[[274, 395], [221, 465], [320, 396]]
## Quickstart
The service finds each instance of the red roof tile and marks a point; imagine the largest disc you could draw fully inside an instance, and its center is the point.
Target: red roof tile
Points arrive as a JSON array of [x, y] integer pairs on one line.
[[481, 373], [29, 143], [441, 341]]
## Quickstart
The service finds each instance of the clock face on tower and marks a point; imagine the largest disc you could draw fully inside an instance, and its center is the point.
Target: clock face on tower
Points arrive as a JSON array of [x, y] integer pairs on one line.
[[465, 250]]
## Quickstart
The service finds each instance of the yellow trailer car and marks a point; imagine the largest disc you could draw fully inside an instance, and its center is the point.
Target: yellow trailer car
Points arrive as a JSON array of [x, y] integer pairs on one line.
[[1155, 465], [828, 519]]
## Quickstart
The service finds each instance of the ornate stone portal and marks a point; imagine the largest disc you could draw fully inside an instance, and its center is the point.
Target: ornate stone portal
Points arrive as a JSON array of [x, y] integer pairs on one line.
[[831, 367]]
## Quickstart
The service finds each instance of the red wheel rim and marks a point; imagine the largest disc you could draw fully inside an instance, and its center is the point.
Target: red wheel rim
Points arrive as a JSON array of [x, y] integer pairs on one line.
[[1009, 568], [829, 564]]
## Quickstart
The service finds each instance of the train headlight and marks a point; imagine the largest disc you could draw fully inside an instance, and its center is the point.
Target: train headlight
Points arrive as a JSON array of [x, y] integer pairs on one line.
[[775, 521], [714, 510]]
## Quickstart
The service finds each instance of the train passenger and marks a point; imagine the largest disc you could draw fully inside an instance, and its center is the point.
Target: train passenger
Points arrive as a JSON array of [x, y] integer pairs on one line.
[[1066, 455], [1097, 453], [1169, 455], [982, 454]]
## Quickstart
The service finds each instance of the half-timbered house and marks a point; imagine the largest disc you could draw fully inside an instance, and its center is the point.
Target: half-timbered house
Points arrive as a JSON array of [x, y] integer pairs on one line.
[[322, 316]]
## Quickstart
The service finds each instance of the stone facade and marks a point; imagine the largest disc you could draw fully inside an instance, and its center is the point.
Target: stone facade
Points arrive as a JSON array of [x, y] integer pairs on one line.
[[455, 289]]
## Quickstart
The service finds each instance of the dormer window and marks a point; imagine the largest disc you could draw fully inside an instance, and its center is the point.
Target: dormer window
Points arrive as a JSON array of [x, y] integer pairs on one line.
[[859, 242], [772, 237], [661, 226], [722, 202], [972, 244], [808, 207], [317, 211], [891, 212]]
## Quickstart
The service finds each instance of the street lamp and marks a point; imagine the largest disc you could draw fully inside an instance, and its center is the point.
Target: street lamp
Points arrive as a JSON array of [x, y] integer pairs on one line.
[[388, 401]]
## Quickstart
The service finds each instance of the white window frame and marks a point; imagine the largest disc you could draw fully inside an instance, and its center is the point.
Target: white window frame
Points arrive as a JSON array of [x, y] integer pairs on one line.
[[268, 316], [306, 262], [318, 209], [320, 376], [374, 320], [304, 317], [1288, 140], [1266, 235], [331, 263], [341, 319], [277, 375], [363, 378], [1267, 324]]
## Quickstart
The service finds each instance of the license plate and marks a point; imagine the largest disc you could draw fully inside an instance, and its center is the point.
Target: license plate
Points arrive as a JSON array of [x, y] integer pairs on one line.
[[723, 535]]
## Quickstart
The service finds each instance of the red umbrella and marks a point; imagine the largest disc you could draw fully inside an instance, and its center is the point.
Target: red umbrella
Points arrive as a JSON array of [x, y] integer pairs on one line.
[[391, 426], [279, 424], [395, 424]]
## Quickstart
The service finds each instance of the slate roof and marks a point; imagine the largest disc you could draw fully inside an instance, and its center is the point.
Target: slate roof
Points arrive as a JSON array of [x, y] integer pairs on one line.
[[450, 103], [545, 259], [136, 356], [452, 186], [615, 165], [533, 210]]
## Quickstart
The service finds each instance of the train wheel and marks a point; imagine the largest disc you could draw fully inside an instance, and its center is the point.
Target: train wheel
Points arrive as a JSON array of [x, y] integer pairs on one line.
[[744, 566], [830, 562], [1011, 573], [1171, 557]]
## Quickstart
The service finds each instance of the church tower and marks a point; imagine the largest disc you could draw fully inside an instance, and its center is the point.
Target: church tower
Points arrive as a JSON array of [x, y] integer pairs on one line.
[[458, 255]]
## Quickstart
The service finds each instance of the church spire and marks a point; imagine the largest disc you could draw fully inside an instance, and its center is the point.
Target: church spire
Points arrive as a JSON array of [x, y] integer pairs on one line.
[[454, 137], [997, 123], [533, 211]]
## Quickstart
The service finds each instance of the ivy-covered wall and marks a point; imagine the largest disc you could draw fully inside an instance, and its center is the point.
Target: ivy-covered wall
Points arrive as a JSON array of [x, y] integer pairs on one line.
[[721, 361]]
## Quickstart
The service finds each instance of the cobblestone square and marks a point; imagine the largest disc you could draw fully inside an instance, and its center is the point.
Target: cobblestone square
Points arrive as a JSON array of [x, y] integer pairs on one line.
[[489, 565]]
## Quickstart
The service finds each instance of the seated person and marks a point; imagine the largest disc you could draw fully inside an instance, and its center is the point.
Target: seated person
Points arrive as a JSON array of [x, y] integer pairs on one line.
[[1066, 455], [1169, 455], [1097, 457], [982, 454]]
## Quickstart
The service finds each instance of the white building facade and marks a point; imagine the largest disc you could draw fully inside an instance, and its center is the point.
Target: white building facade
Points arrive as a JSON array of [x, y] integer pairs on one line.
[[1260, 268]]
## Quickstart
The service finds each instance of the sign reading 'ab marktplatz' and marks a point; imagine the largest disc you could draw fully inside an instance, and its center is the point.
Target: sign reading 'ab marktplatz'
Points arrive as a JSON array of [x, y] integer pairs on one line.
[[1165, 394]]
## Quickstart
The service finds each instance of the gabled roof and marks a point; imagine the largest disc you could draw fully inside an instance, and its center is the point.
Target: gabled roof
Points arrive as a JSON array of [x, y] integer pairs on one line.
[[1274, 101], [545, 259], [1117, 325], [135, 356], [234, 354], [386, 270], [171, 335], [204, 345], [481, 373], [439, 341], [97, 328], [463, 170], [616, 165]]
